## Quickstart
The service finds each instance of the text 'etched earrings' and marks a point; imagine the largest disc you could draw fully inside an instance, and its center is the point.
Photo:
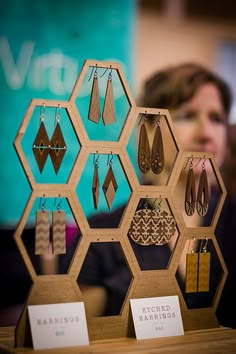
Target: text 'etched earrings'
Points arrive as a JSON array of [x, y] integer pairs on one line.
[[42, 146], [152, 226], [199, 201], [198, 269], [109, 185], [150, 158], [108, 113]]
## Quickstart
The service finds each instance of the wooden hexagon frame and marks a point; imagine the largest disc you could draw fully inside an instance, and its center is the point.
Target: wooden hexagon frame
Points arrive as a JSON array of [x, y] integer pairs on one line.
[[64, 288]]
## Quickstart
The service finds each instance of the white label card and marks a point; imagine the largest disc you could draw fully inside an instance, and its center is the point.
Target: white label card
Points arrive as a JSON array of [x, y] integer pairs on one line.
[[58, 325], [157, 317]]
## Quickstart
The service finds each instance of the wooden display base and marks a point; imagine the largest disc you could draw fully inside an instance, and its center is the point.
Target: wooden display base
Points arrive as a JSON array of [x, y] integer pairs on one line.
[[211, 341]]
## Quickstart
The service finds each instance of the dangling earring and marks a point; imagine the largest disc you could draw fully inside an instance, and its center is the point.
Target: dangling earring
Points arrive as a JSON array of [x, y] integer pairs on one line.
[[203, 193], [41, 142], [144, 154], [157, 154], [204, 268], [42, 229], [191, 270], [95, 184], [190, 193], [57, 143], [59, 230], [94, 106], [108, 113], [109, 186]]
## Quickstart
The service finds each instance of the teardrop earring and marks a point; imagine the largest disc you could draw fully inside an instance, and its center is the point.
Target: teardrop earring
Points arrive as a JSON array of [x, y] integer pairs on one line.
[[157, 154], [144, 154], [203, 193], [94, 105], [190, 193]]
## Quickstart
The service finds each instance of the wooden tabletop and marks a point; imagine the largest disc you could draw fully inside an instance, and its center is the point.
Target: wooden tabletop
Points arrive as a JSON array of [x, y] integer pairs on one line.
[[213, 341]]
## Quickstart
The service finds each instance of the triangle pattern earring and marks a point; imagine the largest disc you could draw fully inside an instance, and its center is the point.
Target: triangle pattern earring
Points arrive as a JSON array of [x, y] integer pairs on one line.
[[109, 186]]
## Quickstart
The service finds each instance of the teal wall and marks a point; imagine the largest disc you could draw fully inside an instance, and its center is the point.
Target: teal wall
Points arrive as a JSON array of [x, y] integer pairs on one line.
[[43, 45]]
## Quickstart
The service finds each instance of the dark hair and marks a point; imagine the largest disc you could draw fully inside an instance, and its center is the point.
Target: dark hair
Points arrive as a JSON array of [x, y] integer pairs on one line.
[[175, 85]]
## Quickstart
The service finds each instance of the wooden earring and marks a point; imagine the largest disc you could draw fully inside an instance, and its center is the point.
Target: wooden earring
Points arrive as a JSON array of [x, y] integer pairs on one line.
[[157, 154], [108, 113], [191, 271], [203, 193], [94, 105], [42, 230], [204, 269], [109, 186], [144, 153], [190, 193], [95, 184], [58, 231]]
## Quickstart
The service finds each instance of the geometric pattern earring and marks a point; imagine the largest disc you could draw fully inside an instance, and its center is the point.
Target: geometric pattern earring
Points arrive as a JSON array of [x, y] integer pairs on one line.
[[94, 105], [157, 154], [203, 193], [190, 192], [57, 143], [42, 229], [144, 153], [58, 230], [109, 185], [95, 184], [108, 114], [41, 142]]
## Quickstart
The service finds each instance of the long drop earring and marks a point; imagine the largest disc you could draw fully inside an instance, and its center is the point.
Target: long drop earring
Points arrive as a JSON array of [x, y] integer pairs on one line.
[[191, 278], [203, 193], [204, 269], [144, 154], [95, 184], [190, 193], [109, 186], [58, 230], [42, 229], [94, 105], [57, 143], [108, 114], [41, 142], [157, 154]]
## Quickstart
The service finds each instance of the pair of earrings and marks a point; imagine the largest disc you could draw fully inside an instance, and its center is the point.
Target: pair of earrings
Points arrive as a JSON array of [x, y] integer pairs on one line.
[[152, 226], [199, 200], [147, 157], [198, 269], [109, 186], [42, 230], [42, 146], [108, 114]]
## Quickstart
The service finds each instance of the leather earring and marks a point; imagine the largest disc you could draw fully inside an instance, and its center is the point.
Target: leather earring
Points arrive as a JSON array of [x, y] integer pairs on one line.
[[144, 153], [41, 142], [203, 193], [57, 143], [157, 154], [94, 105], [190, 193], [108, 114]]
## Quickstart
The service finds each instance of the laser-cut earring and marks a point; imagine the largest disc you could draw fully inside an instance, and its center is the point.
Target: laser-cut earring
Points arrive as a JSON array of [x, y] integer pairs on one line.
[[42, 229], [58, 230], [191, 279], [94, 105], [144, 153], [152, 226], [41, 142], [203, 193], [204, 268], [57, 143], [109, 186], [95, 184], [108, 114], [190, 193], [157, 153]]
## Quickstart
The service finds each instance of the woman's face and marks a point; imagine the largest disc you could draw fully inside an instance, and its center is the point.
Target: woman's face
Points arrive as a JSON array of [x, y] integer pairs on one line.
[[200, 124]]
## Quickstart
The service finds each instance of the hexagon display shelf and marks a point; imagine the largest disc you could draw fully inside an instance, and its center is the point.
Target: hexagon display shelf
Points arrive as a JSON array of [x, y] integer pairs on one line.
[[62, 288]]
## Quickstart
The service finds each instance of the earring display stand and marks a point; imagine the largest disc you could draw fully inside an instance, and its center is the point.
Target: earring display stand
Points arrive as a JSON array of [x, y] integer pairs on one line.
[[62, 288]]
